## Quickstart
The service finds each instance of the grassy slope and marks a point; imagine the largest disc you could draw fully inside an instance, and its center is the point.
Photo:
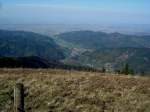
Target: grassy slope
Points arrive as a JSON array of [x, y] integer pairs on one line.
[[72, 91]]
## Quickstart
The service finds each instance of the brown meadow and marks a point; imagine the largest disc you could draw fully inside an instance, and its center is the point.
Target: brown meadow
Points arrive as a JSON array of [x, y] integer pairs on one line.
[[52, 90]]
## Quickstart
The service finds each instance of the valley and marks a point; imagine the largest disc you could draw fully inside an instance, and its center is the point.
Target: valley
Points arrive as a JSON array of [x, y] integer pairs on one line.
[[96, 50]]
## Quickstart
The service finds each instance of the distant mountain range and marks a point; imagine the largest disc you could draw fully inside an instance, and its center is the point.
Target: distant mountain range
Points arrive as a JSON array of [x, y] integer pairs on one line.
[[96, 40], [78, 48]]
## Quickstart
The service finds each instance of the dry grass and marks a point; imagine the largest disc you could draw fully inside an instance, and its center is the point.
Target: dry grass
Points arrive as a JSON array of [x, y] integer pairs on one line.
[[72, 91]]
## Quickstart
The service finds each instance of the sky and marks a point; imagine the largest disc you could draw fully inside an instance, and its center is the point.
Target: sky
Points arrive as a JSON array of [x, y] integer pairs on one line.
[[74, 12]]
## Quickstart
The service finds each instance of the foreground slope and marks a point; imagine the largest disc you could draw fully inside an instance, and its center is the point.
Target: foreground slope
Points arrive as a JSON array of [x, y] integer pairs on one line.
[[71, 91], [37, 62]]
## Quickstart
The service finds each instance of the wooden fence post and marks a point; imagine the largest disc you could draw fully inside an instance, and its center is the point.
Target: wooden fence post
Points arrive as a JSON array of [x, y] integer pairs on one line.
[[19, 97]]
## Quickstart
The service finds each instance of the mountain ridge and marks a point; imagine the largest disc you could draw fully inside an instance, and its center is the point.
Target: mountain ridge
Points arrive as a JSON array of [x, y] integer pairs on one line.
[[22, 44], [95, 40]]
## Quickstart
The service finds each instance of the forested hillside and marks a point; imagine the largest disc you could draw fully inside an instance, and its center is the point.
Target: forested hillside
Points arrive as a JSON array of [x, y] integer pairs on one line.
[[21, 44]]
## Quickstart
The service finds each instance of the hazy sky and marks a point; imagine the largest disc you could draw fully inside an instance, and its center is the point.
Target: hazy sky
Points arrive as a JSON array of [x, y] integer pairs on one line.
[[75, 12]]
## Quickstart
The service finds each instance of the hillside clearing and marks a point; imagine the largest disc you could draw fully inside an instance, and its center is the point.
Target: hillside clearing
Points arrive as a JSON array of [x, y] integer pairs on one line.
[[50, 90]]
